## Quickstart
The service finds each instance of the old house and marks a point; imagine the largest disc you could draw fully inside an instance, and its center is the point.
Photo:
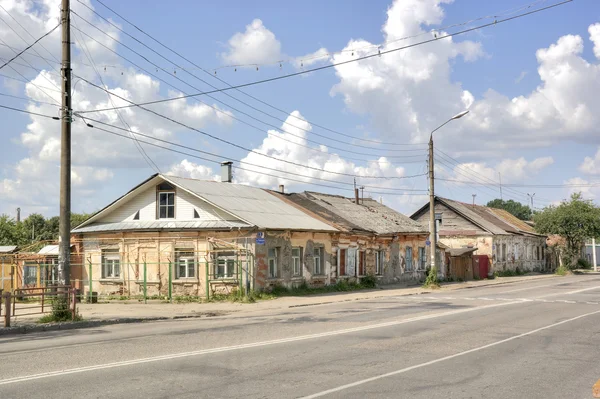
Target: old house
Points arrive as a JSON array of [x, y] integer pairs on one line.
[[177, 236], [372, 238], [508, 242]]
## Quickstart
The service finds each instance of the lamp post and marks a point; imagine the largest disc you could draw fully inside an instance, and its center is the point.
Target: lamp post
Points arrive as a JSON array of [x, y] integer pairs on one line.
[[432, 232]]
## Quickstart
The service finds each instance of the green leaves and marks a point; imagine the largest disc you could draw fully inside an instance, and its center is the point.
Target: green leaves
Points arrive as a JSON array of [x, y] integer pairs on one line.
[[34, 229], [515, 208]]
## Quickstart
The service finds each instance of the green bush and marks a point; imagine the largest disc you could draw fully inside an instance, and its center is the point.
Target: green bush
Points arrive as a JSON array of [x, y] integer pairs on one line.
[[369, 281], [432, 279], [562, 270], [583, 264], [60, 311]]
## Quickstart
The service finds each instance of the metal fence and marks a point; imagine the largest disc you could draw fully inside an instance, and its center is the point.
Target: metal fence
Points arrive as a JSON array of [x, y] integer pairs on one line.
[[35, 301]]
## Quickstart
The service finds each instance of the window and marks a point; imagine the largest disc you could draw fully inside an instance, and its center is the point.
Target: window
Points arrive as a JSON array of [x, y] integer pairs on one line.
[[318, 257], [537, 253], [422, 258], [30, 273], [296, 261], [362, 264], [166, 205], [351, 262], [225, 265], [503, 252], [379, 259], [186, 264], [341, 258], [111, 263], [409, 259], [273, 262]]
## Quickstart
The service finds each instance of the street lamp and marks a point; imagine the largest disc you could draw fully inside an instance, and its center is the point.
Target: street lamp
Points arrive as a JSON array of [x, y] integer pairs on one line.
[[432, 232]]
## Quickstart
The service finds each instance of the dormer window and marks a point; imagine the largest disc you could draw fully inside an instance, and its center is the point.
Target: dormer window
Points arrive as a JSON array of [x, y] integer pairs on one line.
[[166, 201]]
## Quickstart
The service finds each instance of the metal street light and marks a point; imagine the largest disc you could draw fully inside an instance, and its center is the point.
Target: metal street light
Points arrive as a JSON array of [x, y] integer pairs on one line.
[[432, 232]]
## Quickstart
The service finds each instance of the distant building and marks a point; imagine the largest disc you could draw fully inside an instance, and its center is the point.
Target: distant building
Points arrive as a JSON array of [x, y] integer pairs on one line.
[[507, 241]]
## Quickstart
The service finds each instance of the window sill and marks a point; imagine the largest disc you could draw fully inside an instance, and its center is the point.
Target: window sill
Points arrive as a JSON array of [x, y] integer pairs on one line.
[[186, 281], [111, 281]]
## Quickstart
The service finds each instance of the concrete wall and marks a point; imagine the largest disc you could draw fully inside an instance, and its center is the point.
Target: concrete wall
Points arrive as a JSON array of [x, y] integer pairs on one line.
[[526, 253]]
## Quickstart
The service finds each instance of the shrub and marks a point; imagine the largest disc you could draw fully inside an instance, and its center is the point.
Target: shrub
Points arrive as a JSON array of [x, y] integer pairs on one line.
[[562, 270], [583, 264], [432, 279], [369, 281], [60, 311]]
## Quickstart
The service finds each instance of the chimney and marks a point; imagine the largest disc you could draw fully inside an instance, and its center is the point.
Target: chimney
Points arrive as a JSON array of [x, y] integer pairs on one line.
[[356, 196], [226, 175], [18, 215], [282, 189]]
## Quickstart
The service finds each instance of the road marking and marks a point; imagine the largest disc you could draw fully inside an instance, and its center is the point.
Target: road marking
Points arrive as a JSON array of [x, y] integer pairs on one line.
[[60, 373], [442, 359], [569, 292]]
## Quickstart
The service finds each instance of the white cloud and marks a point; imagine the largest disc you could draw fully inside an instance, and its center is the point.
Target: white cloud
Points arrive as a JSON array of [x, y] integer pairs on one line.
[[257, 45], [521, 76], [591, 166], [588, 192], [511, 170], [310, 59], [594, 31], [193, 170]]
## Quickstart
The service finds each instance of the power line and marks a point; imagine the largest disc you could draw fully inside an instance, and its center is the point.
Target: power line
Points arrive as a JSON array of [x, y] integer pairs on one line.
[[56, 118], [496, 22], [254, 171], [27, 99], [221, 80], [226, 141], [85, 119], [30, 46], [592, 184], [139, 147], [24, 80], [250, 116]]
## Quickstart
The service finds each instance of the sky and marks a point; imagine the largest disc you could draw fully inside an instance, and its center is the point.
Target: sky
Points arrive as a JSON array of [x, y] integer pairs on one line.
[[530, 85]]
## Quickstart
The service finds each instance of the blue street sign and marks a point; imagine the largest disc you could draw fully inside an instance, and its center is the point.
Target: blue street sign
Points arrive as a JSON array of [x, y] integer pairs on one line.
[[428, 243], [260, 238]]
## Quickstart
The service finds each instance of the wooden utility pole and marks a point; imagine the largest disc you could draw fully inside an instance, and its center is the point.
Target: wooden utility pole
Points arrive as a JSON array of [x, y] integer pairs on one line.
[[64, 254], [432, 232]]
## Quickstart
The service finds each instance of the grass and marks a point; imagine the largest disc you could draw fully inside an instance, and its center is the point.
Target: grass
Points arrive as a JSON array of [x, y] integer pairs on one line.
[[60, 312], [562, 271], [510, 273], [432, 280]]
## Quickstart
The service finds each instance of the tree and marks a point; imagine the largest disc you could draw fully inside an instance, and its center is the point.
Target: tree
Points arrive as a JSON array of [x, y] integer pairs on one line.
[[575, 220], [34, 228], [515, 208]]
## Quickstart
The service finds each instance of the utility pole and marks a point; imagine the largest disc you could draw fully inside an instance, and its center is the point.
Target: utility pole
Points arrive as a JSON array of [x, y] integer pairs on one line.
[[500, 179], [64, 254], [432, 232], [473, 195], [594, 254], [531, 198]]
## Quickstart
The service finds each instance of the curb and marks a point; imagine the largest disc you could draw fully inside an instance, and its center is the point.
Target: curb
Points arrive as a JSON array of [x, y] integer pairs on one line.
[[128, 320], [25, 329]]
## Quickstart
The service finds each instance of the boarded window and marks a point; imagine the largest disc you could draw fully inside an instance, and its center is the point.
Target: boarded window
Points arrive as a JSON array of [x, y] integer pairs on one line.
[[342, 262], [362, 266]]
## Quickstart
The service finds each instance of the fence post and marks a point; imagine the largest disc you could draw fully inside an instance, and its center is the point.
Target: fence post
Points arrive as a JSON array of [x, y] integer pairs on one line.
[[145, 281], [7, 309], [170, 281], [90, 280], [207, 282], [239, 270], [73, 298]]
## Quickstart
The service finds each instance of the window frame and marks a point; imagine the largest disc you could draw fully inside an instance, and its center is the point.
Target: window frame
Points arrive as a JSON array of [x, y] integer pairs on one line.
[[361, 263], [188, 255], [30, 278], [379, 261], [273, 272], [318, 258], [229, 263], [297, 262], [114, 258], [422, 254], [166, 191], [408, 259]]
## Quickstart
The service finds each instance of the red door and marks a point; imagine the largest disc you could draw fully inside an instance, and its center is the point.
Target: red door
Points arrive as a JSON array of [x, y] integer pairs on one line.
[[482, 262]]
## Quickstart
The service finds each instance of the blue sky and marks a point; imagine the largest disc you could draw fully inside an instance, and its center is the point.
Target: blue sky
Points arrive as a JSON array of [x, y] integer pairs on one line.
[[399, 98]]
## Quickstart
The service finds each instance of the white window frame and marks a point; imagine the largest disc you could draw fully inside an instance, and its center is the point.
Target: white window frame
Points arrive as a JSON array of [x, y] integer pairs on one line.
[[297, 262], [273, 262], [111, 261], [318, 261], [229, 266], [167, 206], [188, 257]]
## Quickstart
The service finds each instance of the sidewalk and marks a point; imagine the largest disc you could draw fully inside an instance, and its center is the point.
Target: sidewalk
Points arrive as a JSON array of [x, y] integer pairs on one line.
[[129, 311]]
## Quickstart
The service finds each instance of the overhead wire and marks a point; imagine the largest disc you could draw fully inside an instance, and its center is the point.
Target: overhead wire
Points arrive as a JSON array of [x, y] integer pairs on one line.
[[275, 78], [56, 118], [289, 114], [270, 125], [139, 147], [259, 166], [227, 141], [29, 46], [221, 157], [27, 99]]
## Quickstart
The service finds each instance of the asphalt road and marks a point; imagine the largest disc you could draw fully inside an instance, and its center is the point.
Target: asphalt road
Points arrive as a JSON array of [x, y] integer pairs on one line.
[[538, 339]]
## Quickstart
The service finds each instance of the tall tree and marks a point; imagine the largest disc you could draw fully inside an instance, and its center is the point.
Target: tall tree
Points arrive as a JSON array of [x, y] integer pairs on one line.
[[575, 220], [515, 208]]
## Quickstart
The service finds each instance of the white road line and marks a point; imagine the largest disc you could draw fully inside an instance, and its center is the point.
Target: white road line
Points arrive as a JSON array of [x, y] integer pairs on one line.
[[528, 288], [569, 292], [60, 373], [441, 359]]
